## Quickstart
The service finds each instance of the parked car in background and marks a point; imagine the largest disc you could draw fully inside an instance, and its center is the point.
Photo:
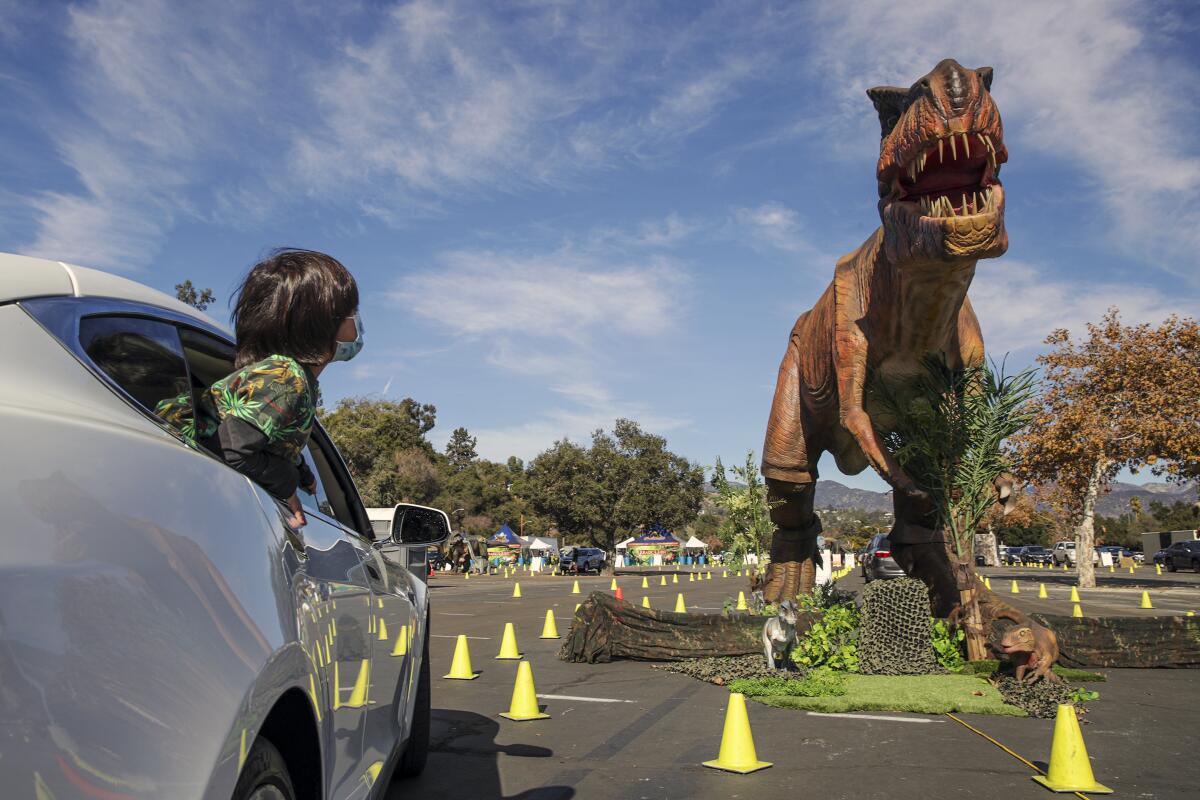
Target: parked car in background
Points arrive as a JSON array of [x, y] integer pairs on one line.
[[1029, 554], [165, 633], [1064, 553], [877, 562], [1183, 555], [582, 559]]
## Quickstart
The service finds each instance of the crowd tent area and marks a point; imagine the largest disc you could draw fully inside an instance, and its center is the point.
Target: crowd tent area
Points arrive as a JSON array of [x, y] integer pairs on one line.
[[654, 546]]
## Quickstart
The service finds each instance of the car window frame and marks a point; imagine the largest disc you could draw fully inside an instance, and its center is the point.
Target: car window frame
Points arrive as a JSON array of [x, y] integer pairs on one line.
[[60, 317]]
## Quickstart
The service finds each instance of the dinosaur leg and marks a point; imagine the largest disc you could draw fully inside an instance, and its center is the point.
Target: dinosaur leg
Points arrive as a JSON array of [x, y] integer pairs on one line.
[[792, 571]]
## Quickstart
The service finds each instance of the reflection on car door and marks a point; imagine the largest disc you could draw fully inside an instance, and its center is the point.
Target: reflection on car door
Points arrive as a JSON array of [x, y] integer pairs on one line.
[[395, 630], [334, 617]]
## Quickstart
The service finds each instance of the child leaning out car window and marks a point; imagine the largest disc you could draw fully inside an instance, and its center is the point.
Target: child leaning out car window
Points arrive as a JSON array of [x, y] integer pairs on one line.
[[296, 312]]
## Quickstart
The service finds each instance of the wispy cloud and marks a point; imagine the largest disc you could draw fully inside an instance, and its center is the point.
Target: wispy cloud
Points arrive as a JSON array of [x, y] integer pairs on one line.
[[773, 225], [556, 318], [558, 295], [1080, 81], [1019, 304]]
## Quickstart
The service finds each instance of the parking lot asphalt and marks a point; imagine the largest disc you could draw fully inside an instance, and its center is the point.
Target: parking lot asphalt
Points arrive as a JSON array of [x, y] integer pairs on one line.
[[626, 730]]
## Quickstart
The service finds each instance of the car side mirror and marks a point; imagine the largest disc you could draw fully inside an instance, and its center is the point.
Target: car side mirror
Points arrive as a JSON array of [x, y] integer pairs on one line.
[[412, 524]]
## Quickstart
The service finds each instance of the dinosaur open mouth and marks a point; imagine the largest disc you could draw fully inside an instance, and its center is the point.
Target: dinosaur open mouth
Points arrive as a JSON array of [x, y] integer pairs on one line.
[[951, 176]]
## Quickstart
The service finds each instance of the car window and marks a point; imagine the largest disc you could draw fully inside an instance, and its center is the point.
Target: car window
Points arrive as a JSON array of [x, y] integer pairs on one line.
[[144, 357], [210, 359]]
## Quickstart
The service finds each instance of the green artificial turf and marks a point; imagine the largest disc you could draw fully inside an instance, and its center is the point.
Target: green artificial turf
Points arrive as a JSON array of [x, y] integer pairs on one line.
[[921, 694]]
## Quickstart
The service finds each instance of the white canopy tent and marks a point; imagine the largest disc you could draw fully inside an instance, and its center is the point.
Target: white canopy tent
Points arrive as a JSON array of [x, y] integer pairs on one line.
[[625, 544], [544, 544], [695, 544]]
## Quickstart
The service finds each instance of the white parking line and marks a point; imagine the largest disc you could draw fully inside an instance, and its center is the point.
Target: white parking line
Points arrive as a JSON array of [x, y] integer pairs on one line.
[[870, 716], [582, 699], [452, 636], [452, 614]]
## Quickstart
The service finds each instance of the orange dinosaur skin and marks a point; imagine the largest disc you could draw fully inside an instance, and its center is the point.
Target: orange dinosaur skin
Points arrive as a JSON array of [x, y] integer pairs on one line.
[[898, 298], [1033, 650]]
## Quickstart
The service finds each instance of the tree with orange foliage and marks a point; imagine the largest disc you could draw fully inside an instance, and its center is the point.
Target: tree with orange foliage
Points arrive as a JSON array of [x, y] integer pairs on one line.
[[1126, 397]]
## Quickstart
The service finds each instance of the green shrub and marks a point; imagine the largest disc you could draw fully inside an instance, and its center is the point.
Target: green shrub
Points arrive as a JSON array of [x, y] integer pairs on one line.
[[833, 641], [948, 644]]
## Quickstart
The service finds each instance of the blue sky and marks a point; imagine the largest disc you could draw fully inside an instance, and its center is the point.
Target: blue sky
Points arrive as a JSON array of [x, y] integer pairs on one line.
[[560, 213]]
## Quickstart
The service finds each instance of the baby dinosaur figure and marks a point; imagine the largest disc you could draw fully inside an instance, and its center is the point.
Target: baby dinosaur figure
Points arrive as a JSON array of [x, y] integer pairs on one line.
[[1032, 648]]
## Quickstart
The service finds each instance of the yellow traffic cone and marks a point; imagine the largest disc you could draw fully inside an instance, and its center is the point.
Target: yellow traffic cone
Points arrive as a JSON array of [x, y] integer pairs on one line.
[[1077, 611], [739, 573], [663, 582], [724, 573], [401, 646], [1191, 613], [460, 665], [575, 588], [674, 579], [741, 604], [737, 743], [1074, 594], [549, 629], [680, 608], [613, 586], [1146, 600], [691, 578], [645, 583], [1014, 589], [383, 637], [516, 589], [645, 601], [508, 644], [708, 576], [337, 687], [1158, 569], [524, 705], [1070, 770], [358, 695], [1131, 570], [1042, 591], [1111, 568]]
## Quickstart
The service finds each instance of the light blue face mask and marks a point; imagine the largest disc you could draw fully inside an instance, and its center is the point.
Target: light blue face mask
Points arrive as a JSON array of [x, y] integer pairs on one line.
[[348, 350]]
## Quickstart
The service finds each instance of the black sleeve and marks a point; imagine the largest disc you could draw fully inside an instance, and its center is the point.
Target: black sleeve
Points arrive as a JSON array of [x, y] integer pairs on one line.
[[306, 475], [243, 447]]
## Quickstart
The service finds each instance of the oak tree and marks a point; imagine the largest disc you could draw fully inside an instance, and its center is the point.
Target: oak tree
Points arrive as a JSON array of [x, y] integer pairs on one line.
[[1126, 396]]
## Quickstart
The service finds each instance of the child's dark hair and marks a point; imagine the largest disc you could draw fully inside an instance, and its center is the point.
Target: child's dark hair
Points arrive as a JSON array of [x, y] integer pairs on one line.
[[292, 303]]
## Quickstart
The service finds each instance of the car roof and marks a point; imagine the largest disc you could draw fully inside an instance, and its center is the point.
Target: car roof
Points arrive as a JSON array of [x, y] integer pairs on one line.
[[25, 277]]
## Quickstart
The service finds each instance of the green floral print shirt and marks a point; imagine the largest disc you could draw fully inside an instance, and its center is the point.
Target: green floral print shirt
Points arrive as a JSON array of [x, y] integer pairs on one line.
[[277, 395]]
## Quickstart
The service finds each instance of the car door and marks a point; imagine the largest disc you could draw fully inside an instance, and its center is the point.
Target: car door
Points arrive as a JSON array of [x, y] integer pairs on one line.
[[332, 586]]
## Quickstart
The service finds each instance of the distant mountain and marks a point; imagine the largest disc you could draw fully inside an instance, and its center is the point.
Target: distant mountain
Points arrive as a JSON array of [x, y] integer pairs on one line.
[[1116, 500], [831, 494]]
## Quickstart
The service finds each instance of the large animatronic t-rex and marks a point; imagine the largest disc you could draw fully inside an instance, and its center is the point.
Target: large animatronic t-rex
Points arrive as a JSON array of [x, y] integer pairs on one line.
[[898, 298]]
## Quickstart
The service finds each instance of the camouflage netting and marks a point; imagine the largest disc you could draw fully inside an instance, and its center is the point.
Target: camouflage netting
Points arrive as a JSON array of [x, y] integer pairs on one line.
[[604, 629], [723, 669], [1037, 699], [894, 637]]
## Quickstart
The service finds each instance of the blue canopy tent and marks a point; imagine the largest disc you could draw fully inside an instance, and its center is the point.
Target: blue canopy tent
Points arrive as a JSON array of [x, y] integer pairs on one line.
[[502, 543], [654, 542]]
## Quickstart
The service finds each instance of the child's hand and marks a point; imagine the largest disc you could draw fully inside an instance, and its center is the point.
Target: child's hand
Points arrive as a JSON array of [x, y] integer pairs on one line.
[[297, 521]]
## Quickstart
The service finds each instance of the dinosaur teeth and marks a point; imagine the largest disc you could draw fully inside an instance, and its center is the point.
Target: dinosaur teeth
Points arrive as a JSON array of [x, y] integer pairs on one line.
[[953, 150], [966, 145], [940, 159]]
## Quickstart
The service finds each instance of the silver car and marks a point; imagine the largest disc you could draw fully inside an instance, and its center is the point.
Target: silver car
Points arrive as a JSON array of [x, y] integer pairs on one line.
[[877, 561], [163, 632]]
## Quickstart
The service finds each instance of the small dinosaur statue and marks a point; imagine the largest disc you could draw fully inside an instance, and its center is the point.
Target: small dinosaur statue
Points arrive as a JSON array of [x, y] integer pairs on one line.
[[1031, 647]]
